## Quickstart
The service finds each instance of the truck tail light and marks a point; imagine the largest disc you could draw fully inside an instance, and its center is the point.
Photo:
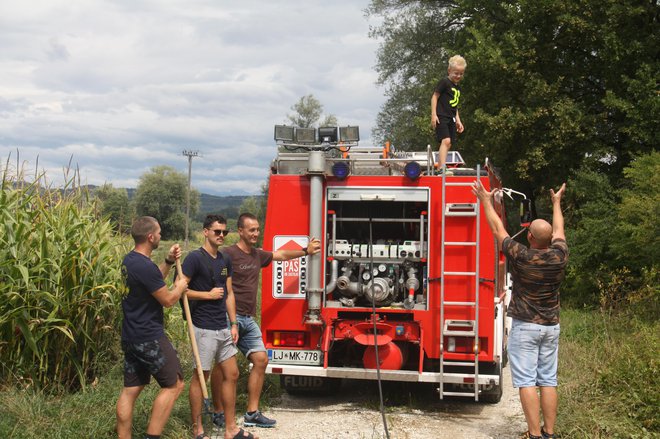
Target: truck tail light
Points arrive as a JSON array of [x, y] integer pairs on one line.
[[289, 338]]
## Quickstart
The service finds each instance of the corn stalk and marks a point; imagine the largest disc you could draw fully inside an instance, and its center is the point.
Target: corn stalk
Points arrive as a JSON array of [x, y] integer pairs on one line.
[[60, 284]]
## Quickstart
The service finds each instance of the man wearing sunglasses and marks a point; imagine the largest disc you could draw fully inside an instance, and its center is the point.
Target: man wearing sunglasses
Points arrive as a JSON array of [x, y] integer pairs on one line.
[[212, 301]]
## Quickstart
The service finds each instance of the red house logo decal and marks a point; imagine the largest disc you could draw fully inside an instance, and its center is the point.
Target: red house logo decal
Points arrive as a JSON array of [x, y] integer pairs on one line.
[[289, 277]]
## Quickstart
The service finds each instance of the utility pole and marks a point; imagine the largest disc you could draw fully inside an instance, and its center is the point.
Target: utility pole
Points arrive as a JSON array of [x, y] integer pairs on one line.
[[190, 154]]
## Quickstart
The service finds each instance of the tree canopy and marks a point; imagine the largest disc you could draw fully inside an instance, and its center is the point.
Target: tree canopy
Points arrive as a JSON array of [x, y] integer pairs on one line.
[[115, 206], [161, 193], [548, 86], [307, 113]]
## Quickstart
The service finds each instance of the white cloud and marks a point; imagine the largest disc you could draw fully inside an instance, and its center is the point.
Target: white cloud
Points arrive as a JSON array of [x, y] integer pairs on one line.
[[125, 86]]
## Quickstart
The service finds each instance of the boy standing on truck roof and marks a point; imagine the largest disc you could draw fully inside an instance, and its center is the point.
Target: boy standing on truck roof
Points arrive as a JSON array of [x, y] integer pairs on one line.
[[445, 119]]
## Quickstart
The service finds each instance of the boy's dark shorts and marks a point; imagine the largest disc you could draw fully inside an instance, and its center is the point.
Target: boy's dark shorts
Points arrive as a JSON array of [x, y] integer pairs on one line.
[[446, 128], [157, 358]]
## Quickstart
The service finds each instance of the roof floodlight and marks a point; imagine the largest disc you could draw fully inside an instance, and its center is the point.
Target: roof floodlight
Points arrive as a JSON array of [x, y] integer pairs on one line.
[[305, 135], [284, 133], [349, 134], [328, 134]]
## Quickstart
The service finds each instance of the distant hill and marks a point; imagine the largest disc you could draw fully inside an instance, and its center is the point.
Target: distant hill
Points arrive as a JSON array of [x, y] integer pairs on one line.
[[226, 205]]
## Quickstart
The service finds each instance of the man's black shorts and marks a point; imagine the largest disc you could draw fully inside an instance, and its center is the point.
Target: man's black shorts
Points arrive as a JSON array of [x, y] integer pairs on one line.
[[157, 358], [446, 128]]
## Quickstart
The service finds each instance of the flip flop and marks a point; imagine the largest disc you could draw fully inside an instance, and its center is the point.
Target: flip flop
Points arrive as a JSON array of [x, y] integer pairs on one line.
[[242, 434]]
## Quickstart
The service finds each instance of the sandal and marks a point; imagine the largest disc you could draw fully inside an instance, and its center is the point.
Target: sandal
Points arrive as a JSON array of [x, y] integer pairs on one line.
[[528, 435], [547, 435], [202, 436], [242, 434]]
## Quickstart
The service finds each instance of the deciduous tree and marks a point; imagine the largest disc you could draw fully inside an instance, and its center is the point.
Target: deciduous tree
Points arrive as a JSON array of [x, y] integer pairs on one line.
[[548, 83], [161, 193], [307, 112], [115, 206]]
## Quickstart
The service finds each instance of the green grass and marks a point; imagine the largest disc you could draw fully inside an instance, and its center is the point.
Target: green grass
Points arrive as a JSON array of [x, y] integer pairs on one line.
[[609, 367], [26, 413], [29, 413]]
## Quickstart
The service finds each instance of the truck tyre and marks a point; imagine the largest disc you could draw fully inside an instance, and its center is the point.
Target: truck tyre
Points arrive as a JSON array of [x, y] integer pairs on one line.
[[494, 395], [307, 385]]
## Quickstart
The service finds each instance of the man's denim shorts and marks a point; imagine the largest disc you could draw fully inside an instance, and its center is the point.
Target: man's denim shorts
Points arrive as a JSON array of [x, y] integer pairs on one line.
[[533, 353], [249, 336]]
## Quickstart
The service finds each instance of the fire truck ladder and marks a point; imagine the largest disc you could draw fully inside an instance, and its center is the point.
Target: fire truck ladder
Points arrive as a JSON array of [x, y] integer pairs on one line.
[[461, 328]]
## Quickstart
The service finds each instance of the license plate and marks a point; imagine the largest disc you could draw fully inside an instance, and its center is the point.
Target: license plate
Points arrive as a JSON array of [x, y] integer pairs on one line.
[[294, 356]]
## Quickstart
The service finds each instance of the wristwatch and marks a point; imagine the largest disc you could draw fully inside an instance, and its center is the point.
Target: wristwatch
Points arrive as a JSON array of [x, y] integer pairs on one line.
[[304, 251], [168, 262]]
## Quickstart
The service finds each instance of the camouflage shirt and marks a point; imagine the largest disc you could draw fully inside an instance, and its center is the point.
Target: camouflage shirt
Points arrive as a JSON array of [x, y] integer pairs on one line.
[[537, 275]]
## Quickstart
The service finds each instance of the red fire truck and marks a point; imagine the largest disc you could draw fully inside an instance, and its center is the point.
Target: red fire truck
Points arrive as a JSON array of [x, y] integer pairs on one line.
[[409, 285]]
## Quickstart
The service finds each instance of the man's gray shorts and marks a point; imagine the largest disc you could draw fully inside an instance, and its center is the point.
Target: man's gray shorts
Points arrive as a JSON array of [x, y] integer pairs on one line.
[[215, 346]]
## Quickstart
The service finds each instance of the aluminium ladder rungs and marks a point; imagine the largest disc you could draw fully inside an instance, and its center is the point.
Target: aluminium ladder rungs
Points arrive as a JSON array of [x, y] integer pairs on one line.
[[470, 394], [459, 184], [458, 363], [460, 212]]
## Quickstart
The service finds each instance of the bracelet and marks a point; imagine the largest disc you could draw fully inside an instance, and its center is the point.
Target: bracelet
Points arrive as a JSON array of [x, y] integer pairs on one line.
[[304, 251], [233, 323], [168, 262]]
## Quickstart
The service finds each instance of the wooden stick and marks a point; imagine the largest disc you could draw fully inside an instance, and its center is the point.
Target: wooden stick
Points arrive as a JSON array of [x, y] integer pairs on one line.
[[193, 341]]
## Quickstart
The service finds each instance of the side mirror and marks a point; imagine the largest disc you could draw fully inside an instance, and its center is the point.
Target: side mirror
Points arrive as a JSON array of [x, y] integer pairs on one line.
[[525, 212]]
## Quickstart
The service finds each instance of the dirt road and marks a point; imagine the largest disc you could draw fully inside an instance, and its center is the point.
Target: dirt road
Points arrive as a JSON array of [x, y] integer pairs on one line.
[[411, 412]]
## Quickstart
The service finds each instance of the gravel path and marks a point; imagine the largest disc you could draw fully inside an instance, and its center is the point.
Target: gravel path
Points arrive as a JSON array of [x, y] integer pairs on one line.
[[353, 413]]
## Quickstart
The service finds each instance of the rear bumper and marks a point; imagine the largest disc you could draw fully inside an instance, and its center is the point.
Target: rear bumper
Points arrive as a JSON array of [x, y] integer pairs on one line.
[[385, 375]]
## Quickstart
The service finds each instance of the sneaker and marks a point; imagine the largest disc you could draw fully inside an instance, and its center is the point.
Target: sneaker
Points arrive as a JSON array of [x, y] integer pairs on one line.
[[219, 419], [257, 419]]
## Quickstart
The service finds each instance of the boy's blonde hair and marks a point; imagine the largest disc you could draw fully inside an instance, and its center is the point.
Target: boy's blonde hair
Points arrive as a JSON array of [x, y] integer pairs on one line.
[[457, 61]]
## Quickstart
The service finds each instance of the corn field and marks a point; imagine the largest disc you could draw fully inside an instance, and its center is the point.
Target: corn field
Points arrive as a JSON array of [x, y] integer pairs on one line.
[[60, 285]]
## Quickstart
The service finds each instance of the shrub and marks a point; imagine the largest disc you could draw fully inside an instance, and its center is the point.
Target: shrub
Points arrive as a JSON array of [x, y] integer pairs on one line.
[[614, 236]]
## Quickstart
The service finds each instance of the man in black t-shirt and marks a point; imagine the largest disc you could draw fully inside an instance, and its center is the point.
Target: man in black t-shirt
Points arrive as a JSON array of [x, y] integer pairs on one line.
[[212, 300], [445, 118], [533, 346], [147, 350]]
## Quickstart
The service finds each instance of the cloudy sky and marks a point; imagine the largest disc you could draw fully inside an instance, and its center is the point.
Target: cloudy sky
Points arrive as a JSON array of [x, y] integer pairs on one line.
[[123, 86]]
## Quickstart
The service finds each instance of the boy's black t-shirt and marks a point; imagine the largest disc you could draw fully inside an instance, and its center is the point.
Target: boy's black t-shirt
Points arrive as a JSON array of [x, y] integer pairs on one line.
[[450, 94], [143, 314], [205, 273]]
